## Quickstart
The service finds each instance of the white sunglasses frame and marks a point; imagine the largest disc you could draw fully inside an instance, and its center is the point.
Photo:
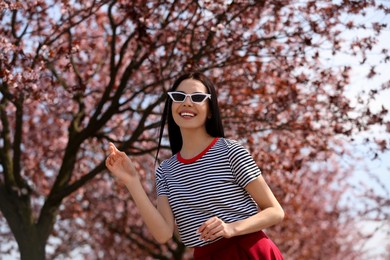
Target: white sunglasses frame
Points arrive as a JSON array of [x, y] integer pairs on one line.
[[207, 96]]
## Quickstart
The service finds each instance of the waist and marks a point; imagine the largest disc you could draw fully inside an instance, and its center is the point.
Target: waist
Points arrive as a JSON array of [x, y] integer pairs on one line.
[[224, 243]]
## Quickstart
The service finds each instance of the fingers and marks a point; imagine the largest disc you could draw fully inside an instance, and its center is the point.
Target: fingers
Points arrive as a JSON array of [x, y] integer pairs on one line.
[[207, 224], [113, 148], [211, 229], [114, 155], [110, 160]]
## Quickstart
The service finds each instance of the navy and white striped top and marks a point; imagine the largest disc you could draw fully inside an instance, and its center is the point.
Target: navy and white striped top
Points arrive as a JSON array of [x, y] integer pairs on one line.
[[211, 184]]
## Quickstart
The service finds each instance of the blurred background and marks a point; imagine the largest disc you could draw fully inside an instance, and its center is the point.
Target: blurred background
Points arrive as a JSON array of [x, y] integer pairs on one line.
[[303, 85]]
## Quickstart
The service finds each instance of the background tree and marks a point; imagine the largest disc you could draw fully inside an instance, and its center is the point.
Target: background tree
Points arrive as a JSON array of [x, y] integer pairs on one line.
[[76, 75]]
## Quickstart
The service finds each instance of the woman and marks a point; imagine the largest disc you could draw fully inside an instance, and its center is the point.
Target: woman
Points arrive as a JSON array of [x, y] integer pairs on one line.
[[211, 188]]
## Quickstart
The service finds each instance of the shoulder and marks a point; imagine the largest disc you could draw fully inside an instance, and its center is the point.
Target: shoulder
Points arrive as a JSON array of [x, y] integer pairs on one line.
[[232, 145], [167, 163], [235, 150], [170, 159]]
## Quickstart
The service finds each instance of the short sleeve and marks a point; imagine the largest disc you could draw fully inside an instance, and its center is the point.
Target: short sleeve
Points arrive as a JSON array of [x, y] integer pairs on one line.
[[161, 184], [243, 167]]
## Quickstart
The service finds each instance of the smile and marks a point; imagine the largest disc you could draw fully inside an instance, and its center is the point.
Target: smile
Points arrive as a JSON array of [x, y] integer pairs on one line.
[[187, 114]]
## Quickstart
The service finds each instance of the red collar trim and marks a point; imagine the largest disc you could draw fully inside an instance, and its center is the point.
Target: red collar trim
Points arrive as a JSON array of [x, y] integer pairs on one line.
[[194, 159]]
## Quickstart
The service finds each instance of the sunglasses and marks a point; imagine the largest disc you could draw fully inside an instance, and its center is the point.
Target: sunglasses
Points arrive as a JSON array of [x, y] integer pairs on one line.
[[195, 97]]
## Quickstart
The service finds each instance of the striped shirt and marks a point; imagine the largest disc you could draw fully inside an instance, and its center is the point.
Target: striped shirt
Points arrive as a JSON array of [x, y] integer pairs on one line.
[[211, 184]]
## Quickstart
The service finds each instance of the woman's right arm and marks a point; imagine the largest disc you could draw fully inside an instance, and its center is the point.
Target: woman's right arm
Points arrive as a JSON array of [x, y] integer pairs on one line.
[[159, 221]]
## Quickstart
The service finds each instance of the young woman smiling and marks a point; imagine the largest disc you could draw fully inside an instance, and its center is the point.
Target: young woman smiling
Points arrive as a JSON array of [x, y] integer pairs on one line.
[[211, 188]]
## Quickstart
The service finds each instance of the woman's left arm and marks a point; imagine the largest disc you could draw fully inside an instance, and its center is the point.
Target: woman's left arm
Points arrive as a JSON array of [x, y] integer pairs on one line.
[[271, 213]]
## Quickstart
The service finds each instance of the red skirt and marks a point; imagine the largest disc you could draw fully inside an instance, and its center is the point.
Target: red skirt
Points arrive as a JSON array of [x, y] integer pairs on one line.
[[254, 246]]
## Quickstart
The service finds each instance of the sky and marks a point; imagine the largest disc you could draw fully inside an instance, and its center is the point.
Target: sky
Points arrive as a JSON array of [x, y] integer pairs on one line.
[[379, 167]]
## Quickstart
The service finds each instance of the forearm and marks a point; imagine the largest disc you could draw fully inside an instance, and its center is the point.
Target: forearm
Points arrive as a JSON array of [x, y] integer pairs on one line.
[[161, 230], [159, 223], [272, 213], [263, 219]]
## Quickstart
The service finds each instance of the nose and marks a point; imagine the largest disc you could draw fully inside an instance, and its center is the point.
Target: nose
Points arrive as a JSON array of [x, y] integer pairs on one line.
[[187, 100]]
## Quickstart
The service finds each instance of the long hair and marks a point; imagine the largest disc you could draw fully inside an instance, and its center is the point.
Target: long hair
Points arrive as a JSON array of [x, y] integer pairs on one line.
[[214, 125]]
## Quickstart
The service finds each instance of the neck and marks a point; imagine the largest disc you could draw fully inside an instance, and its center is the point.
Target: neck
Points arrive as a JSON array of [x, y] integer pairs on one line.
[[194, 142]]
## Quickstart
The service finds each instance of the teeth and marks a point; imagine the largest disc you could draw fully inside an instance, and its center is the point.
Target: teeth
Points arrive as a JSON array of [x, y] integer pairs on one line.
[[187, 114]]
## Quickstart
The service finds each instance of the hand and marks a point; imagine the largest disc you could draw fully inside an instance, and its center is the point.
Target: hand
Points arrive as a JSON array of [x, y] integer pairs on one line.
[[120, 165], [214, 228]]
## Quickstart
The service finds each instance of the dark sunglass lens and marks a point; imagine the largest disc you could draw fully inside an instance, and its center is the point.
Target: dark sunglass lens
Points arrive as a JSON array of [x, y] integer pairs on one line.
[[198, 97], [178, 97]]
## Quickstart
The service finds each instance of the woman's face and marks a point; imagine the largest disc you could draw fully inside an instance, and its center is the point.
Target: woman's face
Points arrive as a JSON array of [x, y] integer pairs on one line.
[[189, 115]]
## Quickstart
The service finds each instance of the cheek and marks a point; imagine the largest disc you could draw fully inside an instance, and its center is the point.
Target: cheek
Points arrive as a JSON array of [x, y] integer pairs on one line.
[[204, 112], [174, 107]]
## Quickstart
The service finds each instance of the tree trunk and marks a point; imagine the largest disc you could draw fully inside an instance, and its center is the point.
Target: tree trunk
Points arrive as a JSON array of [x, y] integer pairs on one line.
[[17, 211], [31, 248]]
